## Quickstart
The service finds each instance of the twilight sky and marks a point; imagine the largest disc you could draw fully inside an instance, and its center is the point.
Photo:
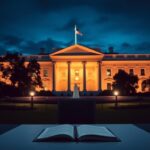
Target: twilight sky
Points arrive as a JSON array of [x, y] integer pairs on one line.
[[28, 25]]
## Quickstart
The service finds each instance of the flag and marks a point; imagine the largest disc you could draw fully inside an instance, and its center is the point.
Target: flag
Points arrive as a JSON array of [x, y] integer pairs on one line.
[[77, 31]]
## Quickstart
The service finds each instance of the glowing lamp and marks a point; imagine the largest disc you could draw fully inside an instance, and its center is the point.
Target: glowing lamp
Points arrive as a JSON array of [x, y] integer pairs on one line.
[[32, 93], [116, 93]]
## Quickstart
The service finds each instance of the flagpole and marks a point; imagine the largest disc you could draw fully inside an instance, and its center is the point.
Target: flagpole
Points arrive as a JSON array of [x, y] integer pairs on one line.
[[75, 35]]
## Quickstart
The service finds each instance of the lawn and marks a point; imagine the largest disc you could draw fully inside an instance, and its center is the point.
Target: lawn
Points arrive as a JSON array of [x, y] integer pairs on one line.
[[48, 113], [22, 113], [126, 113]]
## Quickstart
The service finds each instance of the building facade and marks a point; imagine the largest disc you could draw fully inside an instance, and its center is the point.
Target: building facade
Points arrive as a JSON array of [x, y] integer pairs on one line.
[[90, 69]]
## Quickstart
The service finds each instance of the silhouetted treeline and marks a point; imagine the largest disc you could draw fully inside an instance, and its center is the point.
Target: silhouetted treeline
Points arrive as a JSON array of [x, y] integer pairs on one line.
[[17, 77]]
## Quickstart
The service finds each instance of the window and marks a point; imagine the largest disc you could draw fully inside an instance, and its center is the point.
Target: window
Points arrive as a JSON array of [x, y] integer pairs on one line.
[[142, 72], [45, 73], [108, 86], [108, 72], [76, 72], [131, 72], [76, 75]]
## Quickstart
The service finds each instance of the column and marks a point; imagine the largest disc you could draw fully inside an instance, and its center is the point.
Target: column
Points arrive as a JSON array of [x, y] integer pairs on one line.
[[68, 76], [53, 68], [84, 76], [99, 76]]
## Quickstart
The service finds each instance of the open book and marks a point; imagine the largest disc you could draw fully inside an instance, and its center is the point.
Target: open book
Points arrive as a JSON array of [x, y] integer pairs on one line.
[[68, 132]]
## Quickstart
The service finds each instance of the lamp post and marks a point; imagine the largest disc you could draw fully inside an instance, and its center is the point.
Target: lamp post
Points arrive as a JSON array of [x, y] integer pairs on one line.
[[32, 93], [116, 93]]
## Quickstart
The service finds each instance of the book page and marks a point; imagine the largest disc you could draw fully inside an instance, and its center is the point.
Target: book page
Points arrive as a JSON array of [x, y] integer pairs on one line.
[[91, 130], [59, 130]]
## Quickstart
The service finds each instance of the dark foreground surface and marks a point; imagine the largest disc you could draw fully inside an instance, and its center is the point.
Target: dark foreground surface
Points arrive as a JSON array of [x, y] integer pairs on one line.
[[14, 112]]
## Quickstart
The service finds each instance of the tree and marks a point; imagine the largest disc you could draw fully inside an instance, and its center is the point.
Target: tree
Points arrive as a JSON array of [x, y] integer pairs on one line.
[[125, 83], [22, 77], [34, 74], [1, 67], [16, 71]]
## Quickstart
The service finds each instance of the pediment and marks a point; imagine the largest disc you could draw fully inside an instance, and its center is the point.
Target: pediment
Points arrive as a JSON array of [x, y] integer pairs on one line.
[[76, 50]]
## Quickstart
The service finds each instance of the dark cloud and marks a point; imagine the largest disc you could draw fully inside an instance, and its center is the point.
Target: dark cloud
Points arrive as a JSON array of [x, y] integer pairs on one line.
[[14, 43], [102, 19], [126, 45], [107, 6], [34, 47], [143, 47], [2, 50], [10, 40], [70, 24], [28, 25], [57, 5]]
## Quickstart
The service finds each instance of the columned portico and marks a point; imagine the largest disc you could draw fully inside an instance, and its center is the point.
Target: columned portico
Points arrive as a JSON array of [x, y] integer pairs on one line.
[[76, 65], [87, 76]]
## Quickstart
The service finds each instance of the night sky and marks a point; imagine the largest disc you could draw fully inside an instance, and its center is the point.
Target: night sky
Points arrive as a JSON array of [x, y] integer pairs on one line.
[[28, 25]]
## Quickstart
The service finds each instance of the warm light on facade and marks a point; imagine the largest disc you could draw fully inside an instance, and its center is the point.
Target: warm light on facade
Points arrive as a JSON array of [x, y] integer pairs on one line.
[[77, 71], [45, 89], [66, 68], [76, 78], [108, 72]]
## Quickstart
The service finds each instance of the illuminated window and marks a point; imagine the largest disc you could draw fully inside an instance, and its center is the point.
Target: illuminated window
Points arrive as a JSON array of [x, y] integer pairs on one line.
[[76, 72], [108, 86], [76, 75], [131, 72], [108, 72], [142, 72], [45, 73], [76, 78]]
